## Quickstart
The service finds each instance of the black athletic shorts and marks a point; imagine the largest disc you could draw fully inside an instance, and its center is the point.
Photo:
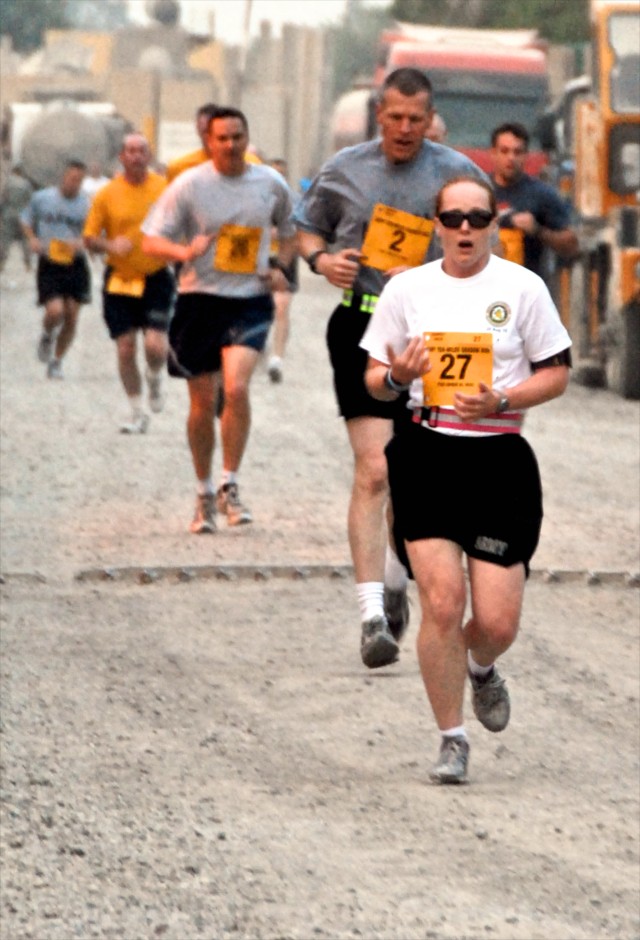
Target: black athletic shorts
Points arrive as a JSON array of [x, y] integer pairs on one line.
[[344, 331], [484, 493], [150, 311], [64, 280], [204, 324]]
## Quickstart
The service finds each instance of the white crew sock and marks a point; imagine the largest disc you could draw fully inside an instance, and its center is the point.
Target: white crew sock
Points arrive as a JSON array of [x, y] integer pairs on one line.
[[457, 732], [136, 405], [371, 599], [475, 669], [205, 487]]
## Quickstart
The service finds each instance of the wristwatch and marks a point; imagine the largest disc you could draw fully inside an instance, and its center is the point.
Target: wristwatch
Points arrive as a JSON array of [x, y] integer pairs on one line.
[[313, 258], [503, 404]]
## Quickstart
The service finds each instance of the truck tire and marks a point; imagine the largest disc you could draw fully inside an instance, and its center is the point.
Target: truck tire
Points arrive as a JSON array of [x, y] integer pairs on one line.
[[587, 369], [623, 352]]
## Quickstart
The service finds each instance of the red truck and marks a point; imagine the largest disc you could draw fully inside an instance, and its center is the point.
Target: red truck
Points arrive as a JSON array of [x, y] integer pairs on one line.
[[480, 78]]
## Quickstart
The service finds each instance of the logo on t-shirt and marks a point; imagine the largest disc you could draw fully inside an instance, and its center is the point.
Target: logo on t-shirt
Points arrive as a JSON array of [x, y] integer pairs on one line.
[[498, 313]]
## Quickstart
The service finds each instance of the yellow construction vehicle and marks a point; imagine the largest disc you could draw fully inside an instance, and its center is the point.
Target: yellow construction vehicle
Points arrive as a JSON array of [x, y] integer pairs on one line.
[[595, 134]]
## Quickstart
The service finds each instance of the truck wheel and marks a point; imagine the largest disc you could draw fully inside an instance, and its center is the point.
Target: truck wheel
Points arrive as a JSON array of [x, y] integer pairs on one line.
[[623, 353], [587, 369]]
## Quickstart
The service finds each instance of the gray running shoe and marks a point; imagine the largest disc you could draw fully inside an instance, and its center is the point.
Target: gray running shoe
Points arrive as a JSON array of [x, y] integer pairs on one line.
[[490, 701], [452, 762], [377, 645], [54, 369], [204, 519], [396, 608], [45, 346], [137, 425], [228, 503]]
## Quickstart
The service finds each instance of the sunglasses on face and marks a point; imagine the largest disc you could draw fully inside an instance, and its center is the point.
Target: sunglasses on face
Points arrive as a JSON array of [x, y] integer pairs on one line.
[[477, 218]]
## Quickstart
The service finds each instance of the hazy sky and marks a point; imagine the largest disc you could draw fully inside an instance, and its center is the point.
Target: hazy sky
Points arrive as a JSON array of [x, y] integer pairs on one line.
[[230, 14]]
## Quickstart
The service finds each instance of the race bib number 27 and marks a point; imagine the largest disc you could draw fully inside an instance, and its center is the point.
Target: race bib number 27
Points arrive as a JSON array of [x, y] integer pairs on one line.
[[459, 362]]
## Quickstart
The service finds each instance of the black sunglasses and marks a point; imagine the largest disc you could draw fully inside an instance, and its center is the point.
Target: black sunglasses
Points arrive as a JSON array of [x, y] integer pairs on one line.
[[477, 218]]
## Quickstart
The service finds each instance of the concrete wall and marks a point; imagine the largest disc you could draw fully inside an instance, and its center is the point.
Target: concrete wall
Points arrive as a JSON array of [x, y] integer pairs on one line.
[[285, 92], [157, 78]]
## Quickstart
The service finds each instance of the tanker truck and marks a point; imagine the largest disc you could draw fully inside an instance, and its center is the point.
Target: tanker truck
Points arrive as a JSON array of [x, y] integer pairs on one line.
[[594, 135], [43, 136]]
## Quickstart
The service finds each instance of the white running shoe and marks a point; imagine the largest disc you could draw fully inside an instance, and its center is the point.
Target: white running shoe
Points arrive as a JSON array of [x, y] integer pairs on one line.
[[137, 425], [275, 369], [156, 396], [54, 369]]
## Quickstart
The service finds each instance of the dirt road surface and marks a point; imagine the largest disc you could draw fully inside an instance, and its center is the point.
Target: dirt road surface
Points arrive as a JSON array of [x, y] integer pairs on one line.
[[191, 747]]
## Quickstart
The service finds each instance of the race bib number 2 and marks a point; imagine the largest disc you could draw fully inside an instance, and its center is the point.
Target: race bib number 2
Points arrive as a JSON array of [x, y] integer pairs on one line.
[[459, 362], [395, 238]]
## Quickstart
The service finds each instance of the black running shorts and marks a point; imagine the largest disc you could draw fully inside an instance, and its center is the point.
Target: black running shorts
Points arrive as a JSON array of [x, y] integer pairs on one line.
[[64, 280], [344, 331], [484, 493], [151, 311], [204, 324]]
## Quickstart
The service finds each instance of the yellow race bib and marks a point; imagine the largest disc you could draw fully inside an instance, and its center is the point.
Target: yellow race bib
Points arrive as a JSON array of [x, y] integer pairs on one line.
[[60, 252], [395, 238], [459, 362], [237, 249], [512, 241], [126, 286]]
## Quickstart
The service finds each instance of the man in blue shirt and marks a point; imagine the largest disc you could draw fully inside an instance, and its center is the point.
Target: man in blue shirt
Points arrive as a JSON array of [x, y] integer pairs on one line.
[[531, 215]]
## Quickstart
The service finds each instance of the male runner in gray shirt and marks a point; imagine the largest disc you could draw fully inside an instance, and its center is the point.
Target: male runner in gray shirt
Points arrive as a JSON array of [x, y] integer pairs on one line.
[[217, 219], [52, 224], [384, 189]]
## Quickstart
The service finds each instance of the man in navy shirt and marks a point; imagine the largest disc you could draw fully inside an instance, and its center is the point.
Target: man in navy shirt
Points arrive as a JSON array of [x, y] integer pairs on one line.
[[531, 215]]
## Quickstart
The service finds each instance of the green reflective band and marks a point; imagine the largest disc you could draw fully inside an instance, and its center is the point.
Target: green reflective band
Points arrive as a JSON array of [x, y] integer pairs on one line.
[[367, 301]]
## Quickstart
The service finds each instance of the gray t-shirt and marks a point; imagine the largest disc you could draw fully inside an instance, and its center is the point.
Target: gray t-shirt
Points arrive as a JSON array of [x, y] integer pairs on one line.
[[200, 201], [340, 200], [52, 215]]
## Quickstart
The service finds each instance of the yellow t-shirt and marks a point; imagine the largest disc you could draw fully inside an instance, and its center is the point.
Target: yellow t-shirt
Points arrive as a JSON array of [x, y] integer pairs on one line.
[[186, 162], [120, 208], [195, 158]]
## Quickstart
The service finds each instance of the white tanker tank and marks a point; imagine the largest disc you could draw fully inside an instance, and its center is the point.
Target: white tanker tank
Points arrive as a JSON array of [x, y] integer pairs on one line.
[[45, 136]]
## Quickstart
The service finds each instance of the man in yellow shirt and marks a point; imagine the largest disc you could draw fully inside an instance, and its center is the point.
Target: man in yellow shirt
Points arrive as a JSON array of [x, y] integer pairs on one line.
[[196, 157], [138, 290]]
